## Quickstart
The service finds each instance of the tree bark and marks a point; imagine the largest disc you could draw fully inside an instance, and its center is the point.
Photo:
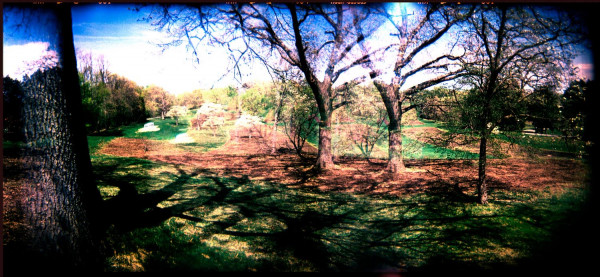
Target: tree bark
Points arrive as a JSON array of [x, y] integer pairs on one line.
[[325, 155], [393, 108], [61, 207], [482, 193], [395, 164], [321, 91]]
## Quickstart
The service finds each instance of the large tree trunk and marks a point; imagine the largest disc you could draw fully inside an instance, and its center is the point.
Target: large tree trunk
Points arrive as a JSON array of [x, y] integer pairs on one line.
[[393, 108], [61, 200], [324, 106], [482, 193], [395, 162], [321, 91], [325, 155]]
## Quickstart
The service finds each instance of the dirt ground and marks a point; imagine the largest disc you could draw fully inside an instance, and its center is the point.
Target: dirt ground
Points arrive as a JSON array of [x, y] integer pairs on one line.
[[252, 157]]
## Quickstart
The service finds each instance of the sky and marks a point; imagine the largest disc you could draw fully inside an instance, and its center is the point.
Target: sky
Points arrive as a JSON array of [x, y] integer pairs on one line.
[[128, 47], [127, 44]]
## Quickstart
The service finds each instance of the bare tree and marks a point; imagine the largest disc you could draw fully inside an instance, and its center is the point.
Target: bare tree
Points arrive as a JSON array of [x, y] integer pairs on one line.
[[299, 116], [318, 40], [511, 48], [93, 68], [410, 43], [284, 85], [372, 119]]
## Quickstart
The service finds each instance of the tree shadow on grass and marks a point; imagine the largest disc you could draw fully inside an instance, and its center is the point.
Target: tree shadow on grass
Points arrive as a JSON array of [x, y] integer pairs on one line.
[[304, 229]]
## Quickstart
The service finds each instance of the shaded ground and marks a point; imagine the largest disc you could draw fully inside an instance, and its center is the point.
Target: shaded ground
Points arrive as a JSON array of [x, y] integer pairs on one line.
[[253, 158], [241, 208], [273, 211]]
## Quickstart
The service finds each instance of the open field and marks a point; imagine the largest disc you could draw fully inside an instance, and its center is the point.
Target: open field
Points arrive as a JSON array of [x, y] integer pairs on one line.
[[229, 204]]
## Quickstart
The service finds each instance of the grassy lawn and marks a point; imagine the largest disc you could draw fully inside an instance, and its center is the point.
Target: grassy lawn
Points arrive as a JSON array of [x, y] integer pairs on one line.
[[412, 149], [556, 143], [176, 217], [186, 218], [168, 217], [204, 139], [168, 129]]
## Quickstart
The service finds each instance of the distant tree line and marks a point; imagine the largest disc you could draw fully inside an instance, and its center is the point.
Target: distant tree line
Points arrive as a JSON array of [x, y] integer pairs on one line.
[[545, 108], [110, 101]]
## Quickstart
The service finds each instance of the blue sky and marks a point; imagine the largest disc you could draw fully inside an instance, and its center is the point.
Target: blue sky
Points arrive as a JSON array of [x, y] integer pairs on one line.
[[127, 44], [128, 47]]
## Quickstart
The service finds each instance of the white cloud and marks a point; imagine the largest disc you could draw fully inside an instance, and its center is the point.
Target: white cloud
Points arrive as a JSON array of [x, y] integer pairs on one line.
[[135, 58], [25, 59]]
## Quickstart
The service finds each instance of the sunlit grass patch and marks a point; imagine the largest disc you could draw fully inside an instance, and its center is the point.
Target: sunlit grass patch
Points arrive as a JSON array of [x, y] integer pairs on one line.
[[168, 247], [128, 262], [181, 196], [205, 140], [108, 191], [143, 175], [263, 224]]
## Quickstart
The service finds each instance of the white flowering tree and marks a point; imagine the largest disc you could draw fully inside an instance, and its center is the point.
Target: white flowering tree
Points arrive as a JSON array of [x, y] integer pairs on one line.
[[210, 115], [248, 124], [176, 112]]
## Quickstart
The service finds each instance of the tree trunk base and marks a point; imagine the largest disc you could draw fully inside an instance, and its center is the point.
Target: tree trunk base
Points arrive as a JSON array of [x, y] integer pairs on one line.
[[482, 194], [395, 168], [322, 166]]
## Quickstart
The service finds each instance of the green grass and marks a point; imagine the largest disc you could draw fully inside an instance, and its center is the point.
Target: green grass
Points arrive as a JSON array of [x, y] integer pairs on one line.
[[96, 142], [542, 142], [186, 218], [168, 217], [426, 123], [168, 129], [169, 247], [419, 150], [412, 149], [204, 138]]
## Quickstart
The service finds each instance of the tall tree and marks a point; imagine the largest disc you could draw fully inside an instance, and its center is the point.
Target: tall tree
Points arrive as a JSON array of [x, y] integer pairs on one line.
[[319, 40], [543, 109], [158, 100], [573, 103], [508, 45], [415, 66], [60, 207]]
